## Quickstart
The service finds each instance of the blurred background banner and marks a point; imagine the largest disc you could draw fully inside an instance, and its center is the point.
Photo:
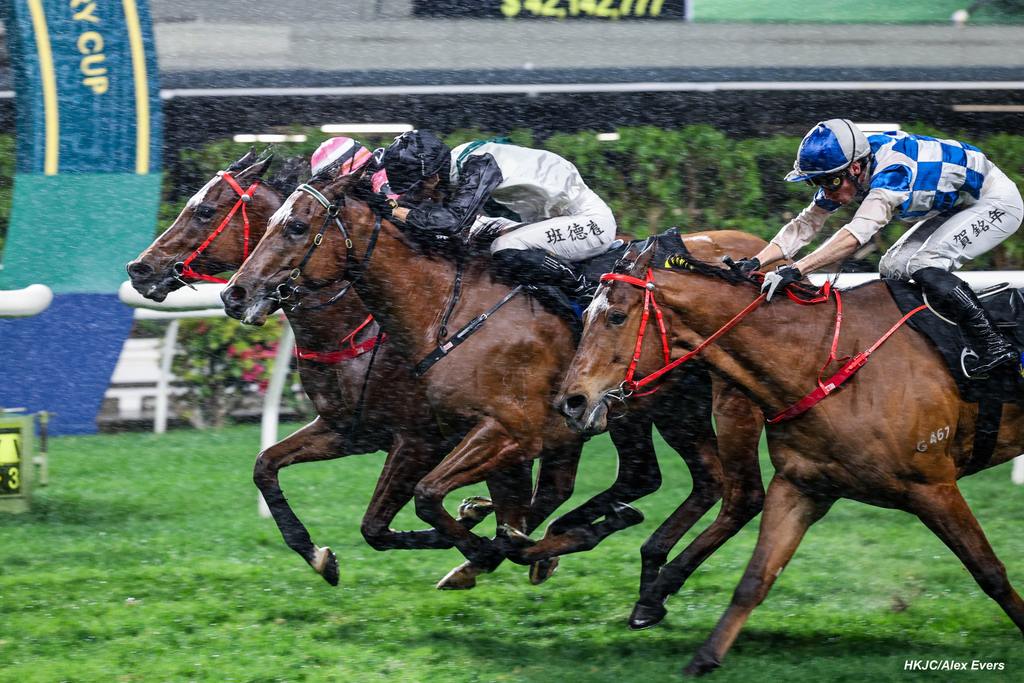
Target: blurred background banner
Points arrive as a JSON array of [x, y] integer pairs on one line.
[[85, 194]]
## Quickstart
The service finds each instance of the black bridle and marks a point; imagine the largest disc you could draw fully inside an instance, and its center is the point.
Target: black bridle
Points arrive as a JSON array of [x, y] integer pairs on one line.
[[354, 268]]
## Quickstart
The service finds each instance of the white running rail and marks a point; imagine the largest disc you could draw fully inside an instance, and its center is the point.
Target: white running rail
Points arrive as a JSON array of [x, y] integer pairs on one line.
[[21, 303], [204, 302]]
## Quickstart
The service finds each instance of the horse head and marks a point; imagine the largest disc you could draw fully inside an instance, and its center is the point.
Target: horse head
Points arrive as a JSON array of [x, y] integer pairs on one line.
[[214, 231], [611, 325], [307, 248], [629, 335]]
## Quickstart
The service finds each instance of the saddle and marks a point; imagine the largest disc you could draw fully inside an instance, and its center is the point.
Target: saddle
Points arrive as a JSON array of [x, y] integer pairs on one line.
[[564, 306], [1004, 305]]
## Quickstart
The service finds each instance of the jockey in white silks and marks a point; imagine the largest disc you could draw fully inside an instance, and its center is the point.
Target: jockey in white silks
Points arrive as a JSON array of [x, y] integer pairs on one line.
[[962, 206], [554, 218]]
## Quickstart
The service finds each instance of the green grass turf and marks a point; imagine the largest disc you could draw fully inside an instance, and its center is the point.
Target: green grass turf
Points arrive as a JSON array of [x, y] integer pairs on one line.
[[144, 560], [842, 11]]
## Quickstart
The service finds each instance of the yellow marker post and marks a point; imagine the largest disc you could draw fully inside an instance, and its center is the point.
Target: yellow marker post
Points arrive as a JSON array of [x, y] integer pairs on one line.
[[16, 446]]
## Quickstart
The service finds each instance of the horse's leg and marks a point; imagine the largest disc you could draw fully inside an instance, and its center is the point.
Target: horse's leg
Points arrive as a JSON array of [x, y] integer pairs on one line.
[[943, 510], [555, 483], [638, 475], [315, 441], [739, 429], [487, 448], [510, 495], [788, 512], [556, 480], [409, 460]]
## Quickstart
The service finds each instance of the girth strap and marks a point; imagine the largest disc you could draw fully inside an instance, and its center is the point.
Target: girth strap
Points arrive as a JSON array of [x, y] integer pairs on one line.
[[462, 335]]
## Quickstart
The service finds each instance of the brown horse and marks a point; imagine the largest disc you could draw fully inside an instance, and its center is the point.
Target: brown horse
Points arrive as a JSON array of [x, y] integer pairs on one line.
[[874, 441], [496, 390], [348, 383]]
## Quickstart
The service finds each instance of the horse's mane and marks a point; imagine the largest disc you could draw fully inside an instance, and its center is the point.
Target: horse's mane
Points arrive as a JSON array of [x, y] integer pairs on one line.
[[667, 251], [289, 175]]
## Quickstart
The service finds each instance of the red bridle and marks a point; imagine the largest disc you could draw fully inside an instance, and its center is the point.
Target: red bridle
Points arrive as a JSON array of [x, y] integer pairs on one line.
[[825, 386], [244, 197], [629, 385]]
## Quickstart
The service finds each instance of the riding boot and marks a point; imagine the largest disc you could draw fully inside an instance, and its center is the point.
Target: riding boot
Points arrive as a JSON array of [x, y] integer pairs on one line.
[[535, 266], [963, 306]]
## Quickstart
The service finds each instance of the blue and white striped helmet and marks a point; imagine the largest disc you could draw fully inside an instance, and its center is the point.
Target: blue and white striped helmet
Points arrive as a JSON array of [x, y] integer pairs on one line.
[[829, 147]]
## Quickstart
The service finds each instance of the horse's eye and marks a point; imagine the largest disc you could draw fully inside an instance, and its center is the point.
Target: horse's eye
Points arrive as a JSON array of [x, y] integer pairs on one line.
[[204, 212], [616, 317], [296, 228]]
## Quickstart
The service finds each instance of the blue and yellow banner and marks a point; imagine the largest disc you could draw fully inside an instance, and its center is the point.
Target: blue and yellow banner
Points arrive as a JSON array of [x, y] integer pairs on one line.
[[88, 96], [86, 195]]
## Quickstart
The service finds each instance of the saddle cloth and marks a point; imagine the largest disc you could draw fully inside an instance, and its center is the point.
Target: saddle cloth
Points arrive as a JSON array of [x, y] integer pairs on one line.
[[1005, 307]]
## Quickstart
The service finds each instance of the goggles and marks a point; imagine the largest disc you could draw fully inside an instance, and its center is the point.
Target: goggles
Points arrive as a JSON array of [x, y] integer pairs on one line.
[[830, 182]]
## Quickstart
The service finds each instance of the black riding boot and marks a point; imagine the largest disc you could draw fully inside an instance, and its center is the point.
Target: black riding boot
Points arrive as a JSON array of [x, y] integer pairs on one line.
[[535, 266], [963, 305]]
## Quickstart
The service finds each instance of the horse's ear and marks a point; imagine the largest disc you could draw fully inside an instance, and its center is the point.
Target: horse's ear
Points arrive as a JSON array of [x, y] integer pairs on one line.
[[244, 162], [259, 168]]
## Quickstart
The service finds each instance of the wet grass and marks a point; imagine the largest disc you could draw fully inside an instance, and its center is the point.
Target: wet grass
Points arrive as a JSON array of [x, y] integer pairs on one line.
[[144, 560]]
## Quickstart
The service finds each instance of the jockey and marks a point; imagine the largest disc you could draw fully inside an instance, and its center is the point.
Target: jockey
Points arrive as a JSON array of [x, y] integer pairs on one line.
[[558, 219], [961, 203]]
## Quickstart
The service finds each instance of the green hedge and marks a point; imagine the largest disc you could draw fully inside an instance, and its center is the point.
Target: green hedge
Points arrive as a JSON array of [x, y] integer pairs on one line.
[[695, 177]]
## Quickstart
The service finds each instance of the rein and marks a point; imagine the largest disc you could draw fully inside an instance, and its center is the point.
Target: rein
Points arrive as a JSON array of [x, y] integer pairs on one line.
[[629, 385], [850, 367], [184, 269]]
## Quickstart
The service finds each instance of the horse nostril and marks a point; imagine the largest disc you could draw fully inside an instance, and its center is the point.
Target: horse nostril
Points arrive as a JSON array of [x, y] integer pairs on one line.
[[233, 295], [574, 405], [138, 269]]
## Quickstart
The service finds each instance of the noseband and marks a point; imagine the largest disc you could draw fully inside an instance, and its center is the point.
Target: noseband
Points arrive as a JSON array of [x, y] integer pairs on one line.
[[353, 269], [183, 269]]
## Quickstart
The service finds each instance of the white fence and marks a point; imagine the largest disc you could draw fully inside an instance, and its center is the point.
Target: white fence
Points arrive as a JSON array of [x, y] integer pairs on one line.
[[204, 302], [21, 303]]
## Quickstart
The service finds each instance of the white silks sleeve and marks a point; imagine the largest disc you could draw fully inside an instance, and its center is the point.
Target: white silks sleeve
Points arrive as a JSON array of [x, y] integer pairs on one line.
[[797, 233], [873, 214]]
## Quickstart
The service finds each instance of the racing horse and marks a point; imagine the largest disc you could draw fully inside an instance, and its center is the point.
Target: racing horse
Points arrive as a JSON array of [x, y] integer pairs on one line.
[[346, 376], [874, 441], [497, 390]]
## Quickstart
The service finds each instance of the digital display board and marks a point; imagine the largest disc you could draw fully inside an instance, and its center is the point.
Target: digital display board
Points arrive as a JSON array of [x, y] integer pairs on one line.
[[552, 9]]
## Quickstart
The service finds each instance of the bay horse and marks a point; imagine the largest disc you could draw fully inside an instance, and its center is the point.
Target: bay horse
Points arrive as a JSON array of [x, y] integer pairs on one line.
[[874, 441], [349, 381], [497, 390]]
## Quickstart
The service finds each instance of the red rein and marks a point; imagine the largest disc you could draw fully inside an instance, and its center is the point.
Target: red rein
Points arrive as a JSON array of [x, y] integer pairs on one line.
[[824, 388]]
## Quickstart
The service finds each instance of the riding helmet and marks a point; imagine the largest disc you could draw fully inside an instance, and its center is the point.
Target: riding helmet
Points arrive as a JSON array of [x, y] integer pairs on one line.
[[829, 147]]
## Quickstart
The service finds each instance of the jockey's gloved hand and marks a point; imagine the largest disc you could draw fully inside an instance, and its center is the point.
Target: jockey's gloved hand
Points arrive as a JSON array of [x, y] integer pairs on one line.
[[380, 204], [779, 279], [746, 266]]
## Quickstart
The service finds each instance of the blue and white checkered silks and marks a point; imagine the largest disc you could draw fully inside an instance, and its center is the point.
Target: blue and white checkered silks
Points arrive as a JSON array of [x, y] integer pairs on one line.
[[924, 176], [829, 147]]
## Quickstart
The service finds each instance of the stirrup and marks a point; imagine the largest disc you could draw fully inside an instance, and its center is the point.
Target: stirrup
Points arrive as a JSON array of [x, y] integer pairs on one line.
[[968, 353]]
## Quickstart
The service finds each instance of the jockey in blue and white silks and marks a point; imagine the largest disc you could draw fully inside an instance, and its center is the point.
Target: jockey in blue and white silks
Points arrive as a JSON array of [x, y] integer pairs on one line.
[[962, 206], [557, 221]]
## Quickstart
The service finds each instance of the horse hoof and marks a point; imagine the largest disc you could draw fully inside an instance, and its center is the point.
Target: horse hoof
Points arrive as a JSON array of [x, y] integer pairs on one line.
[[325, 563], [462, 578], [701, 664], [474, 509], [625, 515], [646, 616], [543, 570]]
